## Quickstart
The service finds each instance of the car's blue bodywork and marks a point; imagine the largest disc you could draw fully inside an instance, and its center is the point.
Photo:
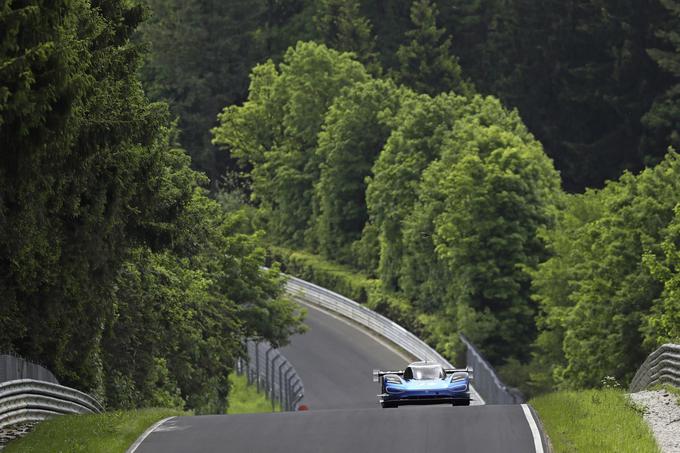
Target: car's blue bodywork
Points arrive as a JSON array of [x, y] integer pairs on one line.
[[424, 383]]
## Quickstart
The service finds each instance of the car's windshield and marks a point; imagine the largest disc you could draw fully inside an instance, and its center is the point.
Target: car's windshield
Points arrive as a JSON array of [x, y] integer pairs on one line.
[[428, 372]]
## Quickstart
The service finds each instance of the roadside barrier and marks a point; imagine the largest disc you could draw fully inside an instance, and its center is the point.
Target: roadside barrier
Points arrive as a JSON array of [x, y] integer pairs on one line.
[[273, 374], [661, 367], [26, 400], [487, 382]]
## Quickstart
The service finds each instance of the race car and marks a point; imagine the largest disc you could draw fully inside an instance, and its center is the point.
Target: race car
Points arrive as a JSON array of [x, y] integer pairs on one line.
[[424, 383]]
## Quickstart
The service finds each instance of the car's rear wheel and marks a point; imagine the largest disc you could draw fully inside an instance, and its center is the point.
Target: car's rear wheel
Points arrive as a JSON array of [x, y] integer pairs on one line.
[[388, 404]]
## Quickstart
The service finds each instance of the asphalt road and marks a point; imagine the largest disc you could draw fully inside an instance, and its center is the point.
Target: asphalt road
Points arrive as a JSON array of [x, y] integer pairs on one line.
[[335, 360], [429, 429]]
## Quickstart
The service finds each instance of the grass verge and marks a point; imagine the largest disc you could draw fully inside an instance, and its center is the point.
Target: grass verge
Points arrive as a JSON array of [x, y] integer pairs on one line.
[[596, 421], [110, 432], [244, 398]]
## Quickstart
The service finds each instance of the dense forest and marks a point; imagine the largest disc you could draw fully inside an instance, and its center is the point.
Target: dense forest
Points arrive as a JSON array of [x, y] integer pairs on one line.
[[594, 80], [117, 271], [502, 169]]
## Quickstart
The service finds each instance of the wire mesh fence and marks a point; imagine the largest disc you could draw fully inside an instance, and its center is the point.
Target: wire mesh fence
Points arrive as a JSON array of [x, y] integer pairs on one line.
[[487, 382], [271, 373], [13, 368]]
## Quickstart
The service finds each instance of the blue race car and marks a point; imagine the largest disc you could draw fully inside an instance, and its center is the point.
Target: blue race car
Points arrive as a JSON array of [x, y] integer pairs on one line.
[[424, 383]]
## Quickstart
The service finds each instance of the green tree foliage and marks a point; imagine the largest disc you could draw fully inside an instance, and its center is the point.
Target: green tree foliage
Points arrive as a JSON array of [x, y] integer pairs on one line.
[[117, 271], [340, 26], [182, 310], [200, 55], [470, 239], [595, 292], [355, 129], [663, 323], [291, 101], [426, 62], [414, 142], [77, 140], [197, 61]]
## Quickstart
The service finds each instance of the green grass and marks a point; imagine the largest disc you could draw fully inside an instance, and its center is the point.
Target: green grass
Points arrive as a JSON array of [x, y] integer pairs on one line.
[[114, 432], [596, 421], [111, 432], [244, 399]]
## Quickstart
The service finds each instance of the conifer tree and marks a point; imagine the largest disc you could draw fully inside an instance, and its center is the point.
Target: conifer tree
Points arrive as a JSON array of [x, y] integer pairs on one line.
[[663, 119], [426, 63], [341, 26]]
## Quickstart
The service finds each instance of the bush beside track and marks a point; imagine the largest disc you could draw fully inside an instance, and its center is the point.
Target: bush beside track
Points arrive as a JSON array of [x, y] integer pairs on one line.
[[348, 282]]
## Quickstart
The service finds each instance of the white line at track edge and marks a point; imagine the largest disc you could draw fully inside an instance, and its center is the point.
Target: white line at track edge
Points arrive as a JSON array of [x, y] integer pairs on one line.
[[146, 433], [538, 444]]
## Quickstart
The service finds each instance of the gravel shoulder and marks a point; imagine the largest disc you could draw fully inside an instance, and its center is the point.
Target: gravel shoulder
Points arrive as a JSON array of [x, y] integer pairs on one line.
[[662, 414]]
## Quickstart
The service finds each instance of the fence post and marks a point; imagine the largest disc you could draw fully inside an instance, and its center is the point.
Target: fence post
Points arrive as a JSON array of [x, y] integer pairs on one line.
[[286, 395], [272, 397], [257, 367], [266, 370], [281, 384]]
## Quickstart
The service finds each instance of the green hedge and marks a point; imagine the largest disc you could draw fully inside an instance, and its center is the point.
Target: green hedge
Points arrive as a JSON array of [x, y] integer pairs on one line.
[[350, 283]]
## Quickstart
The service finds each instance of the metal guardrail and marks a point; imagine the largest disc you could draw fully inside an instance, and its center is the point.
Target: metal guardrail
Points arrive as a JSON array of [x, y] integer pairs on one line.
[[311, 293], [487, 382], [25, 400], [661, 367], [272, 373], [13, 368]]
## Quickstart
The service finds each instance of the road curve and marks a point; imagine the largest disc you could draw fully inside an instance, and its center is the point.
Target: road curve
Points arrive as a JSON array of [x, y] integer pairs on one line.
[[335, 359]]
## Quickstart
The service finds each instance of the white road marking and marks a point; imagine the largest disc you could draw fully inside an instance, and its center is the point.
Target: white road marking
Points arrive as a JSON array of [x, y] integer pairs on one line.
[[538, 444], [146, 433]]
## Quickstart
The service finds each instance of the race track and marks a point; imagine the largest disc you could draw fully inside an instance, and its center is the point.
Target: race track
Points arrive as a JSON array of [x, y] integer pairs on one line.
[[335, 360]]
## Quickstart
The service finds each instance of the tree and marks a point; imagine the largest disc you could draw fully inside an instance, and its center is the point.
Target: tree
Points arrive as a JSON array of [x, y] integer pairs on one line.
[[108, 240], [340, 26], [426, 64], [282, 149], [355, 129], [662, 324], [414, 142], [471, 237], [596, 312], [663, 119]]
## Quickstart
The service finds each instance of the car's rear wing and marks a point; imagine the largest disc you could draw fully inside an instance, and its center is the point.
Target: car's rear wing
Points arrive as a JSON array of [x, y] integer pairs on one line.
[[467, 370], [377, 374]]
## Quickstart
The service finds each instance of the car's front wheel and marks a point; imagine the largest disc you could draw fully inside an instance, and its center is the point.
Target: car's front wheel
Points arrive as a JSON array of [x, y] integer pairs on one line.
[[387, 404]]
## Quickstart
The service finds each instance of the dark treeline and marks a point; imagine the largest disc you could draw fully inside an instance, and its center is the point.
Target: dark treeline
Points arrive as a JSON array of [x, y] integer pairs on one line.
[[594, 80], [116, 269]]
